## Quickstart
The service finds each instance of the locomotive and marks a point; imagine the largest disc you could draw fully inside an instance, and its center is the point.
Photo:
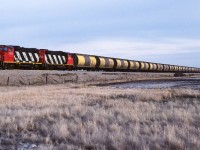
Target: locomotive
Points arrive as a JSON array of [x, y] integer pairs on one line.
[[16, 57]]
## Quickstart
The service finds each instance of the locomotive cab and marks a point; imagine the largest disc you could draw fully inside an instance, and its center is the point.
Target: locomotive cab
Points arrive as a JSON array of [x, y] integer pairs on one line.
[[6, 56]]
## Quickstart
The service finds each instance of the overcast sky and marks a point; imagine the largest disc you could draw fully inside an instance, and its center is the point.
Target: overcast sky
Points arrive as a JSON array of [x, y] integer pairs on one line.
[[166, 31]]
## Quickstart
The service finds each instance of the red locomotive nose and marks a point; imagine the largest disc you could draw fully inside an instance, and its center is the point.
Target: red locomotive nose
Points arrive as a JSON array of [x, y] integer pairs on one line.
[[7, 53]]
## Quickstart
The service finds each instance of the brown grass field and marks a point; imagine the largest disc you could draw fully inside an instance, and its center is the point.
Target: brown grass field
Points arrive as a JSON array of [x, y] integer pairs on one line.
[[62, 117]]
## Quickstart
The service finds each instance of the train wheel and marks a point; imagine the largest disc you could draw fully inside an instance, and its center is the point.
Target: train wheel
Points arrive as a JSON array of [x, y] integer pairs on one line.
[[36, 67], [2, 65], [11, 66]]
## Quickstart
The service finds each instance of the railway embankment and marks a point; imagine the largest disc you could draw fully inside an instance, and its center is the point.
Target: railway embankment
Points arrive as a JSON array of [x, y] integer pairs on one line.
[[42, 77]]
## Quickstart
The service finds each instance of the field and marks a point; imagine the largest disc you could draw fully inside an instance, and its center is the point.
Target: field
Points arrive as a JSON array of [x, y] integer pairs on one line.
[[69, 116]]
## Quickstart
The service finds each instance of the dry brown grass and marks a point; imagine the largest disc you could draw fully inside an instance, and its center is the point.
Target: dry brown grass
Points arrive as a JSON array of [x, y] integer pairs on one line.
[[78, 117]]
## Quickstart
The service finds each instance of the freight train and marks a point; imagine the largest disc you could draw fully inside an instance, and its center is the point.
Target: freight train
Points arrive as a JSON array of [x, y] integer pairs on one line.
[[16, 57]]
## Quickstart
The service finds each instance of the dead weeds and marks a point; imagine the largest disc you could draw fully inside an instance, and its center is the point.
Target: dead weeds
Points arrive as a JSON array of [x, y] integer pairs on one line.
[[61, 117]]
